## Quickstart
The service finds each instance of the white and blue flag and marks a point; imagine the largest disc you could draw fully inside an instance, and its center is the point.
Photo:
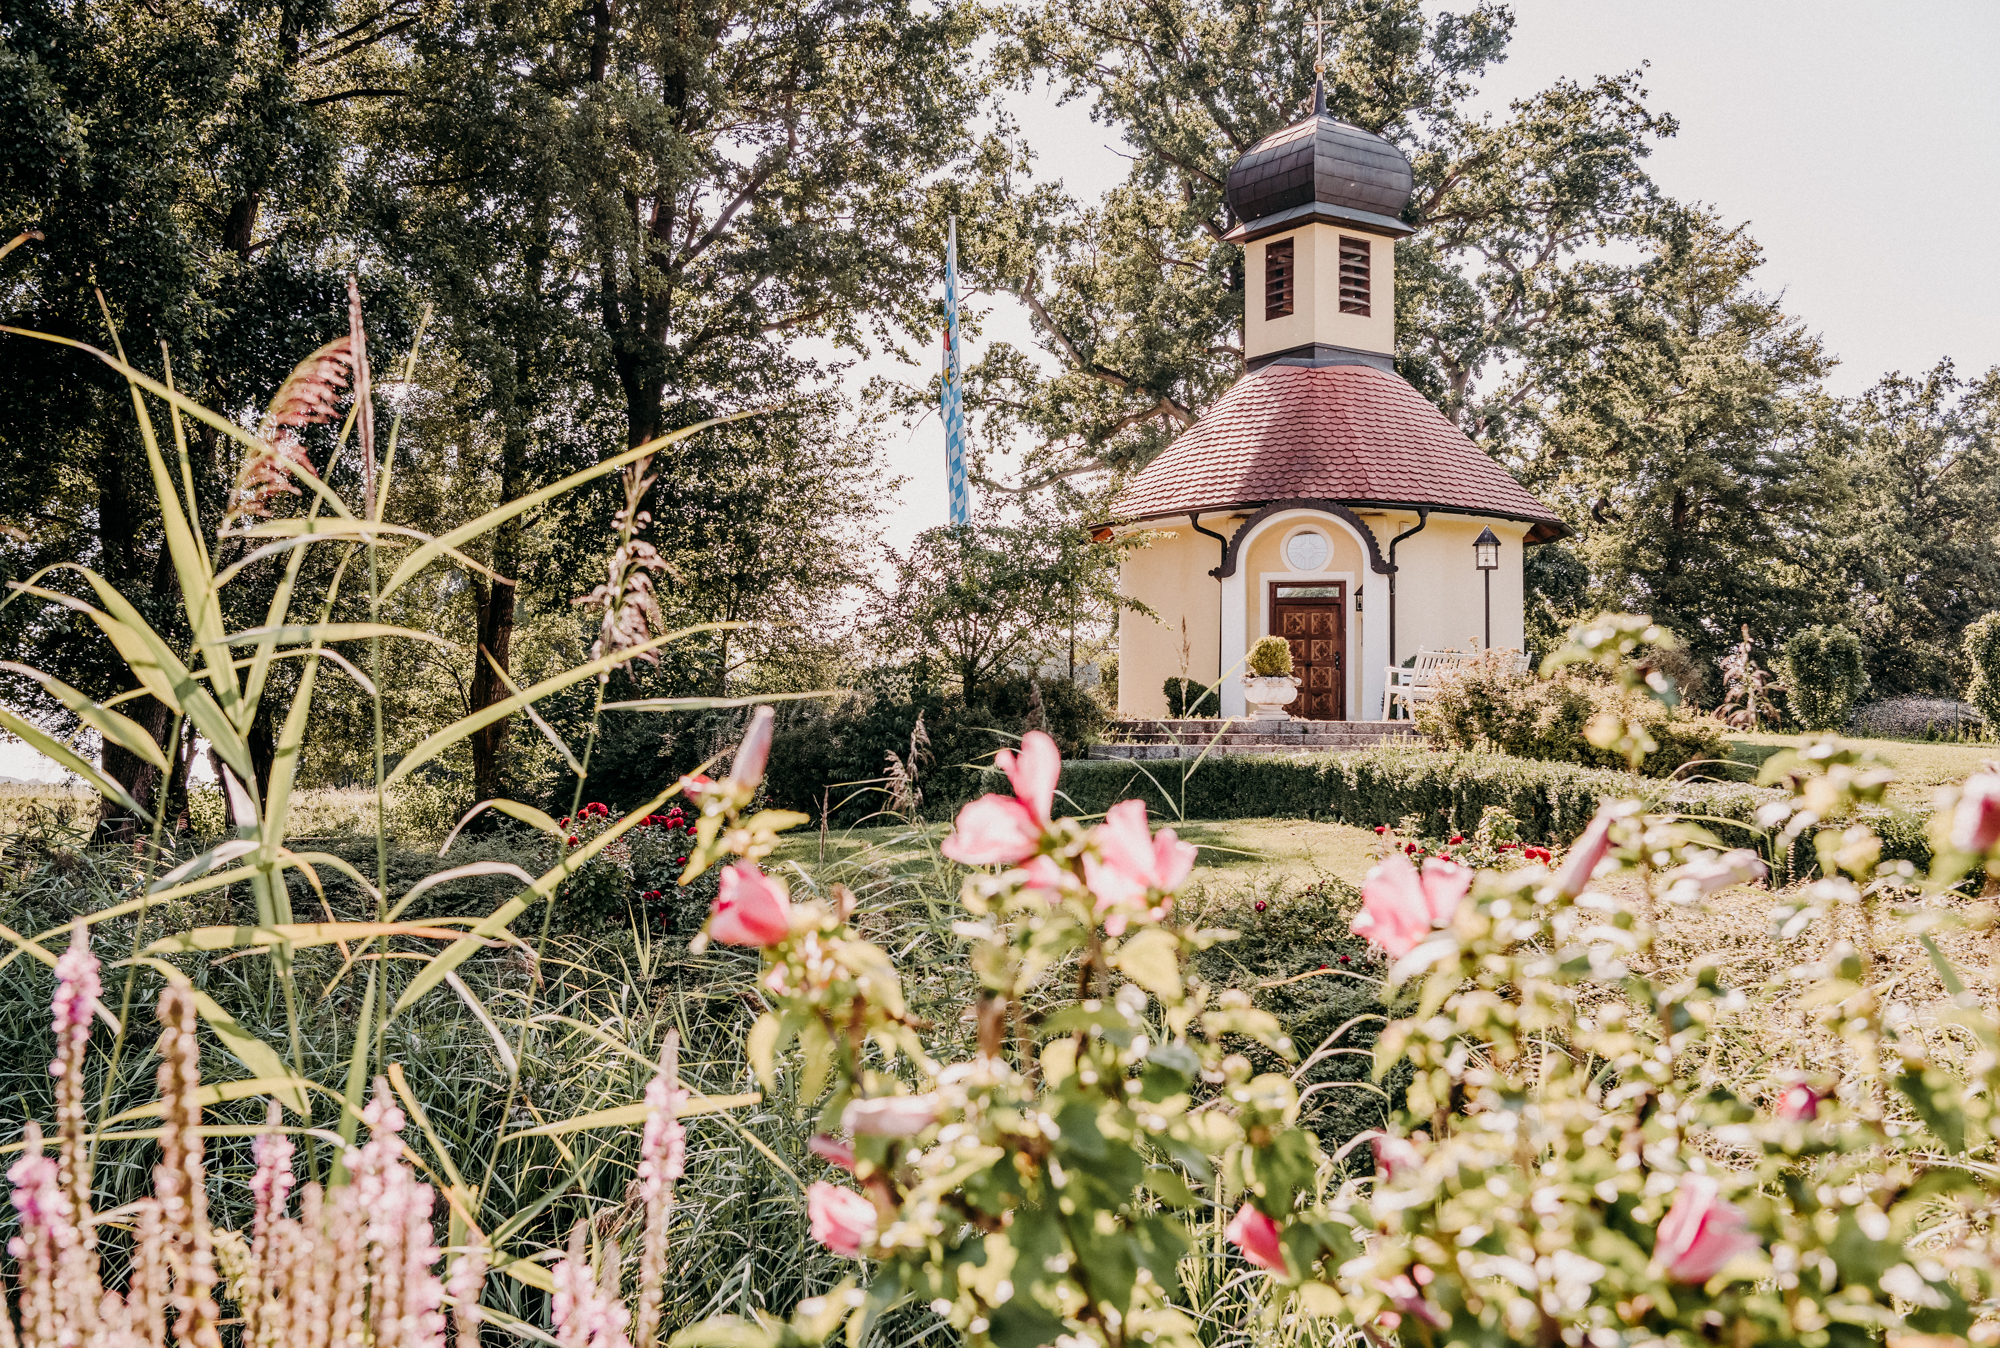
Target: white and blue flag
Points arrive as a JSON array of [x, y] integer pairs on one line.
[[952, 399]]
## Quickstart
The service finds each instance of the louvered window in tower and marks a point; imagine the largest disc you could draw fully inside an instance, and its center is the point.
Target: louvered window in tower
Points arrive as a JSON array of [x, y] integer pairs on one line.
[[1353, 276], [1279, 270]]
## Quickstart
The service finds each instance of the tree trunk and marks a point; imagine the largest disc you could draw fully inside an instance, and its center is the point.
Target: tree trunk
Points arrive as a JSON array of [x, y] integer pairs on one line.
[[496, 636], [496, 612], [116, 823]]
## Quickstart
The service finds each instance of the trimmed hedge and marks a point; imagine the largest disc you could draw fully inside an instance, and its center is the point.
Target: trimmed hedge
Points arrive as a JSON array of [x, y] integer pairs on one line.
[[1450, 789]]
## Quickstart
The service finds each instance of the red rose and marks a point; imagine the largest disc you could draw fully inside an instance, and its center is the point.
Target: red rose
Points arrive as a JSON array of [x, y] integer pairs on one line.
[[572, 840]]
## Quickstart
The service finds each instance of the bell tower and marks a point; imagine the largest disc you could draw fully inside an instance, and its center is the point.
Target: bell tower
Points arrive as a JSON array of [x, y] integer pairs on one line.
[[1319, 208]]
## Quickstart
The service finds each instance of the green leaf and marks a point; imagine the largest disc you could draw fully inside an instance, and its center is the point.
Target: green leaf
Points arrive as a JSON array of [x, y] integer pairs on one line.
[[48, 744], [762, 1047], [632, 1115], [1152, 959], [127, 734]]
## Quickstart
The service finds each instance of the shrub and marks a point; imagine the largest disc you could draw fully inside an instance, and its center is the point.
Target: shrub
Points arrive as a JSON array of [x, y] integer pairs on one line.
[[1271, 657], [1451, 791], [1918, 718], [1825, 676], [1982, 651], [824, 750], [1487, 705], [1189, 697]]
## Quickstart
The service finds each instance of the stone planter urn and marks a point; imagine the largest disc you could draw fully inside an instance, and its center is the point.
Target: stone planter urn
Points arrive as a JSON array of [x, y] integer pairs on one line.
[[1269, 694]]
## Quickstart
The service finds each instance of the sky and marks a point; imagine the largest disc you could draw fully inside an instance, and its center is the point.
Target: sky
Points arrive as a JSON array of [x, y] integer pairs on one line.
[[1860, 143]]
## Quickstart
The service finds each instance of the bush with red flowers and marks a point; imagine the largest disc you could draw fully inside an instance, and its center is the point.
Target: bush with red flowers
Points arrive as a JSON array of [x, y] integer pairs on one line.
[[636, 880]]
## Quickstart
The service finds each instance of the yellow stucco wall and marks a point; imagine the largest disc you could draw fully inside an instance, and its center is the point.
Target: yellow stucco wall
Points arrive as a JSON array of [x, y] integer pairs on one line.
[[1440, 593], [1316, 315], [1263, 561], [1170, 576]]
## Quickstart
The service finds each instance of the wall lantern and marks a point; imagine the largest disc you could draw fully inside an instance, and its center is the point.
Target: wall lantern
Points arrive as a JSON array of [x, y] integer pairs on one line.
[[1486, 556]]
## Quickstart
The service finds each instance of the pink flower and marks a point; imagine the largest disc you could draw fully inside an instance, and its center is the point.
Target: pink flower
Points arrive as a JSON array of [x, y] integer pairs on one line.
[[1134, 862], [1702, 1232], [993, 831], [832, 1150], [890, 1115], [751, 908], [77, 983], [755, 750], [1975, 822], [1256, 1235], [1408, 1299], [1033, 772], [842, 1220], [1399, 908], [1395, 1156], [1046, 876], [1710, 872], [1581, 863], [1000, 830], [1799, 1104]]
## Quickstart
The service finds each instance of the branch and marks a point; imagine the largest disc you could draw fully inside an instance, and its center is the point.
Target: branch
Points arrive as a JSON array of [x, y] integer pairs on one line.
[[355, 93], [359, 43], [1026, 294]]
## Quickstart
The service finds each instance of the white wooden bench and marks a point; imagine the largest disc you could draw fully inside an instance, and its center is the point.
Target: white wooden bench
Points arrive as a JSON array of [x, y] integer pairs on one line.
[[1408, 685]]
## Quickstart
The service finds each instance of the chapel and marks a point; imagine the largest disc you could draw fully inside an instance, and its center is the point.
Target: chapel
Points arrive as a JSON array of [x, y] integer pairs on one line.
[[1321, 498]]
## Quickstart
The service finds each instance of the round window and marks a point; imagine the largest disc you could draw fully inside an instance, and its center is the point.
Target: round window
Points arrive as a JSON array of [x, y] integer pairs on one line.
[[1307, 551]]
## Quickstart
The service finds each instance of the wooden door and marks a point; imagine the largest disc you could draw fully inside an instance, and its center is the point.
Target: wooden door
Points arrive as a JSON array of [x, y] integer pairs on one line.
[[1313, 620]]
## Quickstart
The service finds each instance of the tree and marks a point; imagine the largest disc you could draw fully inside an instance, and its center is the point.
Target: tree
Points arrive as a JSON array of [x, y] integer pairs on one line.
[[1141, 303], [185, 159], [1690, 440], [980, 599], [1919, 543]]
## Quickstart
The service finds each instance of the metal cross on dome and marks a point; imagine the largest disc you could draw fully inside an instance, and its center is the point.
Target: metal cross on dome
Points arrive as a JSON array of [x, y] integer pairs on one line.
[[1319, 23]]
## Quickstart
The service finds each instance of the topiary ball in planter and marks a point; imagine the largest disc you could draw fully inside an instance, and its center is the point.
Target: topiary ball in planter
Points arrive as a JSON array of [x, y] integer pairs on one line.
[[1271, 657], [1270, 687]]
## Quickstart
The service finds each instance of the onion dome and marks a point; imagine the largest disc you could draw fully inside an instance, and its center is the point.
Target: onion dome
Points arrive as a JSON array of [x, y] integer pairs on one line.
[[1350, 434], [1319, 169]]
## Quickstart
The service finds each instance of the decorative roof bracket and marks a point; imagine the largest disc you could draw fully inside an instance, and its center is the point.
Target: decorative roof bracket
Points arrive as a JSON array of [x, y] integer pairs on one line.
[[1376, 562]]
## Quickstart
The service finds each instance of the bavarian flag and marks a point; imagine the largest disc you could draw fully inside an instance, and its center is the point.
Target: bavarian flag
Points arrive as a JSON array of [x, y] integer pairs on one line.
[[952, 399]]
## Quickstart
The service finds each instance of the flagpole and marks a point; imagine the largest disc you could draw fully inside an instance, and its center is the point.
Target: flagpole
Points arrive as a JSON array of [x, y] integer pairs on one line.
[[952, 397]]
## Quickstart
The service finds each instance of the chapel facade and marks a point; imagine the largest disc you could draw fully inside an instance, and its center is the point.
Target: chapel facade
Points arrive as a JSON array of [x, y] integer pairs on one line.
[[1321, 498]]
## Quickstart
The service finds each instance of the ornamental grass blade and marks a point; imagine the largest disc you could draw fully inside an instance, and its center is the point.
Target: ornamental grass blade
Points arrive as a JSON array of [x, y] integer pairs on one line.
[[438, 742], [513, 809], [429, 552], [126, 733], [48, 744], [464, 872], [628, 1116], [445, 961], [256, 1055]]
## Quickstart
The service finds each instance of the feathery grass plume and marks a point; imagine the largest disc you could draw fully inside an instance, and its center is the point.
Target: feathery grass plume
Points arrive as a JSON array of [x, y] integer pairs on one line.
[[178, 1180], [662, 1160], [631, 611], [587, 1310], [306, 398], [77, 990]]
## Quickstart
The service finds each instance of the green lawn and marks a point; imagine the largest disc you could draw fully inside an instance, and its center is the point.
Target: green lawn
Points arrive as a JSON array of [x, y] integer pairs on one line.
[[1921, 768], [1234, 852]]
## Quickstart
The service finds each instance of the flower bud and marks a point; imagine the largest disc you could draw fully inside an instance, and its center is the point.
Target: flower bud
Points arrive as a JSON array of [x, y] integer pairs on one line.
[[755, 750]]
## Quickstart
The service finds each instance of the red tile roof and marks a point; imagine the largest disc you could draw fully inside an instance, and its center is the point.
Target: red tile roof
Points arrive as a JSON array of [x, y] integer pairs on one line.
[[1348, 433]]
